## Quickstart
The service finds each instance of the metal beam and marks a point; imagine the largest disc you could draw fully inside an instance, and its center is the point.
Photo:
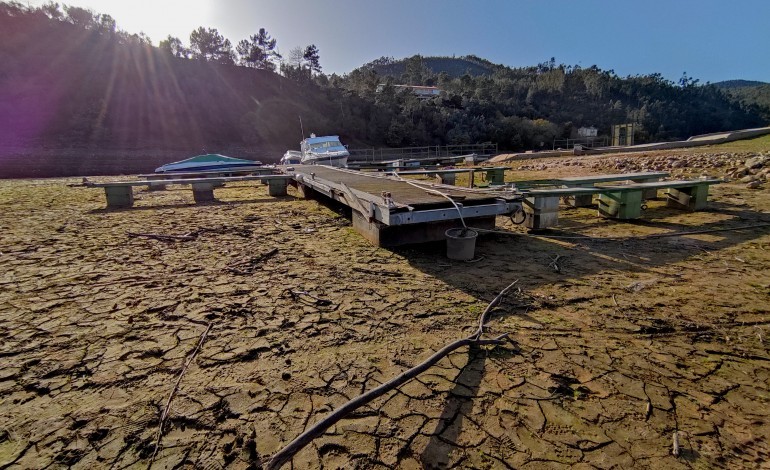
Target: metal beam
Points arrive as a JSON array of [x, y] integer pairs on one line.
[[434, 215]]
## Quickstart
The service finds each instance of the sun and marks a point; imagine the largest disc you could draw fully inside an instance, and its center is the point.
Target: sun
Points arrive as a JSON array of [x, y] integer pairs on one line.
[[157, 19]]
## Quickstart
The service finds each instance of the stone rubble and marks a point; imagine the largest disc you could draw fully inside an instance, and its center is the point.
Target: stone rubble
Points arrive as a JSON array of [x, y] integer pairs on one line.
[[750, 168]]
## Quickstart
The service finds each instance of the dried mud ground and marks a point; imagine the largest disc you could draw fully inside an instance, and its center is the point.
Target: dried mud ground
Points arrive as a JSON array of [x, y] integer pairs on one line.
[[616, 345]]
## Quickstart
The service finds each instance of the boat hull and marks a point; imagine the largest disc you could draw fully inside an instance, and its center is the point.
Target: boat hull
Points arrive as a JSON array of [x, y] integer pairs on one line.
[[325, 150], [207, 168], [209, 162], [339, 161]]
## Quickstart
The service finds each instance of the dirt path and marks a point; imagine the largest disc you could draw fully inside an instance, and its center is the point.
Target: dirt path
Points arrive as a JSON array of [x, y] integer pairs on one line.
[[617, 345]]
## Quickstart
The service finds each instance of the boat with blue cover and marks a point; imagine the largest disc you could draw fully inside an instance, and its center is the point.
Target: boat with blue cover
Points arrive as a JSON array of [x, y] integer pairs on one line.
[[209, 162]]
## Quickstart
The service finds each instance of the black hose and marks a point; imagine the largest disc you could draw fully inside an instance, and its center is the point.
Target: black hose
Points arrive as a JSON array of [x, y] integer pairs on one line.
[[523, 216]]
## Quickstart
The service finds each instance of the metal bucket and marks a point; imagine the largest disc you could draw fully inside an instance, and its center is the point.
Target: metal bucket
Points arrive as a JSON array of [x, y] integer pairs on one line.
[[460, 246]]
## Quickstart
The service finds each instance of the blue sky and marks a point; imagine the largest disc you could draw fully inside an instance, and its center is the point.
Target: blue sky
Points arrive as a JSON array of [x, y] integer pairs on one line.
[[710, 40]]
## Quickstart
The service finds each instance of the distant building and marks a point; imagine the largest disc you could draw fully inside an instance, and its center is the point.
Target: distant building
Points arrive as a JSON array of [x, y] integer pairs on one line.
[[423, 92], [588, 131]]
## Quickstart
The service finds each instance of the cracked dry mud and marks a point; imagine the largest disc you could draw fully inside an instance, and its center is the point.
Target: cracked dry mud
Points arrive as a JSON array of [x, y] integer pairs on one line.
[[626, 343]]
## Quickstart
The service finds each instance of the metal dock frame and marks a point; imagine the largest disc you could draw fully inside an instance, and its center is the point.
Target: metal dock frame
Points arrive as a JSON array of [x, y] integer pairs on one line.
[[385, 222]]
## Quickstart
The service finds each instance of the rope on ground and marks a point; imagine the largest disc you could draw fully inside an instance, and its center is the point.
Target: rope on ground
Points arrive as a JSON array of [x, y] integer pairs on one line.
[[436, 192], [291, 449]]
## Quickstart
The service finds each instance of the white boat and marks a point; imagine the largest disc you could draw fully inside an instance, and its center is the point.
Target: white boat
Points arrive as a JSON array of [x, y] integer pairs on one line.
[[326, 150], [291, 157], [210, 162]]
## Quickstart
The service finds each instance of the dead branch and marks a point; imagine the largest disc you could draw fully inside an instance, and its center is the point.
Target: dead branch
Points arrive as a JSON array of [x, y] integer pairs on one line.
[[288, 452], [165, 238], [249, 265], [555, 264], [675, 446], [298, 296], [378, 273], [167, 408]]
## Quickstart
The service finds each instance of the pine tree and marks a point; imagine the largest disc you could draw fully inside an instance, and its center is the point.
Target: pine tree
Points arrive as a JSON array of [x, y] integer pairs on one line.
[[259, 51]]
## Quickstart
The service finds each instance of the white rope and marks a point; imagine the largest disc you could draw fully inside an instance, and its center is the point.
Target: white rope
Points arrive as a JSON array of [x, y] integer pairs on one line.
[[436, 192]]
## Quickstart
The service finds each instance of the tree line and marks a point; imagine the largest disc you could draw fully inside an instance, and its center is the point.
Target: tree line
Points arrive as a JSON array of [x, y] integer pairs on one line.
[[529, 107], [258, 51], [207, 44], [519, 108]]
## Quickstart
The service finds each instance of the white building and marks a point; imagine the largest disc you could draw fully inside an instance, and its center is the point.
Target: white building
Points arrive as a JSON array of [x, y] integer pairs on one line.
[[588, 131]]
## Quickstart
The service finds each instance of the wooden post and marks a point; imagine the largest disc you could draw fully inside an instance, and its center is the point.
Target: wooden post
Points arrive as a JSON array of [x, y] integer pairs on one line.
[[470, 178]]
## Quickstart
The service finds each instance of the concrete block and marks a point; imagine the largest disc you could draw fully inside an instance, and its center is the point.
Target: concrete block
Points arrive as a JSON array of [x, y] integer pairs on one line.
[[119, 196], [277, 187], [621, 205], [496, 177], [651, 193], [693, 198], [447, 178], [203, 192], [541, 212], [581, 200], [385, 235]]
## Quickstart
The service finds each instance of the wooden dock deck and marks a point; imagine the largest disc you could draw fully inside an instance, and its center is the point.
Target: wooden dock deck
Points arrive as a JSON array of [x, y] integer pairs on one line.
[[392, 211]]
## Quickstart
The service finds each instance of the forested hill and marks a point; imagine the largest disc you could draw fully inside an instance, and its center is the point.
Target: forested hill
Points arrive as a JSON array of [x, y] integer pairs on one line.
[[62, 85], [750, 92], [73, 85], [454, 67], [735, 84]]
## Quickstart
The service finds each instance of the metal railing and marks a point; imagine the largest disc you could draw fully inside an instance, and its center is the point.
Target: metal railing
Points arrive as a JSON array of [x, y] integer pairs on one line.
[[434, 151], [586, 142]]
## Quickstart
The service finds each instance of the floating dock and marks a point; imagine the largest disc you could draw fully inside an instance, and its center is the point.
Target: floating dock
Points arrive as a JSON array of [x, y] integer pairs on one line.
[[391, 211]]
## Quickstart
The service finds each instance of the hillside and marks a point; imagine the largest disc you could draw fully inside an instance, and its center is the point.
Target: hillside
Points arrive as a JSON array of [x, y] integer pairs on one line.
[[749, 92], [102, 92], [78, 97], [454, 67], [530, 107], [737, 84]]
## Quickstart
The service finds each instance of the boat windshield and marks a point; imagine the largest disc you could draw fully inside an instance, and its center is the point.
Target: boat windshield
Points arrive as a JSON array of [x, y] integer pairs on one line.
[[325, 145]]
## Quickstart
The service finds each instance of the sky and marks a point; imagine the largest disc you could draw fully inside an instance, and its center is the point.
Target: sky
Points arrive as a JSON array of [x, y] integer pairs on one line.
[[707, 39]]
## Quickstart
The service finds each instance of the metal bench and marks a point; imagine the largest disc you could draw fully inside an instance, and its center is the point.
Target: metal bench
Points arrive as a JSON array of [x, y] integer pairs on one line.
[[120, 194], [590, 181], [541, 206], [159, 184]]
